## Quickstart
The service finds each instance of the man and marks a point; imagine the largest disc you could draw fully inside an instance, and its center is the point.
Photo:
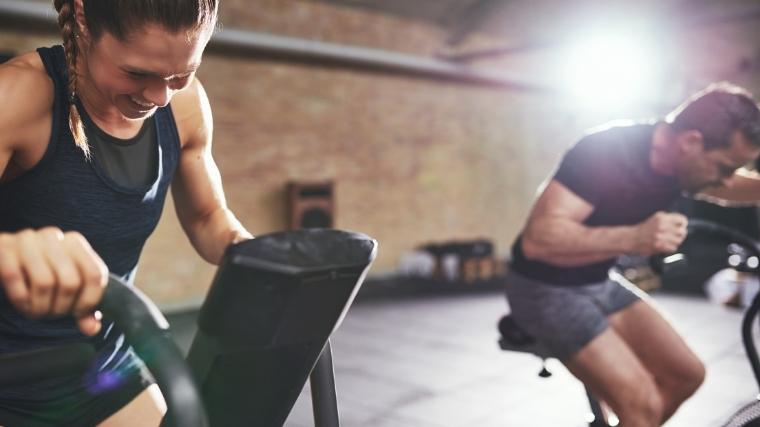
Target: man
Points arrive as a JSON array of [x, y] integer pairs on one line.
[[609, 197]]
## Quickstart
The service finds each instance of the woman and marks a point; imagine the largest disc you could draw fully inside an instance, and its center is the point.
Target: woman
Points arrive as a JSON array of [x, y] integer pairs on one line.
[[89, 144]]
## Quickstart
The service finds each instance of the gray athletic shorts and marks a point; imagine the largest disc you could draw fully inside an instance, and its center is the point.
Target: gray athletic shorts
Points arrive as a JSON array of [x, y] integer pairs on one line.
[[566, 318]]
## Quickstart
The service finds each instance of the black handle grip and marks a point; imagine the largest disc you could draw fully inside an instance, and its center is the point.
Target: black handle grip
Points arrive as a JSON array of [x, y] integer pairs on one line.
[[663, 264]]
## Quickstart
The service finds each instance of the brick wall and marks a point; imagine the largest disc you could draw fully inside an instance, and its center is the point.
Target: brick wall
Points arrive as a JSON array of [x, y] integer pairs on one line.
[[414, 160]]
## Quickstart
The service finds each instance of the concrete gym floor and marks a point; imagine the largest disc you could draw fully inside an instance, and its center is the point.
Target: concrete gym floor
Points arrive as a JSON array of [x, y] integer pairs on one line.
[[432, 360]]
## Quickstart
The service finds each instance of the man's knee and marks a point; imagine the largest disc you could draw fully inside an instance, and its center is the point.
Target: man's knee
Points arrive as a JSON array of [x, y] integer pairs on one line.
[[688, 381], [653, 406], [698, 376], [642, 406]]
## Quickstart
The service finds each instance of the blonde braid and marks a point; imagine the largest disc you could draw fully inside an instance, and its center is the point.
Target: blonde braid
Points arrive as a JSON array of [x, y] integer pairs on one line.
[[67, 23]]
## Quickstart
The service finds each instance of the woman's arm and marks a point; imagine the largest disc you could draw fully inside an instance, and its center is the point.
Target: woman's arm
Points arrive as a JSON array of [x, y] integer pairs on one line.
[[26, 102], [43, 272], [197, 187]]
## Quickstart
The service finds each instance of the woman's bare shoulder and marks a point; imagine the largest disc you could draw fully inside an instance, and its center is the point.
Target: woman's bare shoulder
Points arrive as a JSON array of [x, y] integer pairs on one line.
[[192, 113], [26, 98]]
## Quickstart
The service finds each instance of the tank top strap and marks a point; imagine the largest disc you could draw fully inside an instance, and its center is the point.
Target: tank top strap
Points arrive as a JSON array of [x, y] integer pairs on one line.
[[168, 138], [54, 60]]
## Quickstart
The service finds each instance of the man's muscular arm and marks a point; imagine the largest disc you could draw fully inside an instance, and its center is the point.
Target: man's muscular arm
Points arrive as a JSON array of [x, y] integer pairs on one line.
[[555, 232]]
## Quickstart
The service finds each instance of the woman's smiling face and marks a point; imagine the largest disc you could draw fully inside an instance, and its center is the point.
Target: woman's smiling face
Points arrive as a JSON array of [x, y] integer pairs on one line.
[[142, 73]]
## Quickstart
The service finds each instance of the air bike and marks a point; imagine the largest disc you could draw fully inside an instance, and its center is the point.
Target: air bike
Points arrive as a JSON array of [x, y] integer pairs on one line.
[[263, 329], [742, 253]]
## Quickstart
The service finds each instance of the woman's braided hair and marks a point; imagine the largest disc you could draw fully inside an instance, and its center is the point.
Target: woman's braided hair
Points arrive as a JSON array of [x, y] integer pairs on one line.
[[67, 23], [119, 18]]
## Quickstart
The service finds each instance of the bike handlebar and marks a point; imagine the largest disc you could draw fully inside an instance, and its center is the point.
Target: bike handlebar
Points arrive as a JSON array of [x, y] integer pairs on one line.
[[668, 263], [727, 233], [752, 245]]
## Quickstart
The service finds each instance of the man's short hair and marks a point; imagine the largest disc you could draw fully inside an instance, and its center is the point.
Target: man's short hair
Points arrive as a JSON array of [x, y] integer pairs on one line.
[[717, 112]]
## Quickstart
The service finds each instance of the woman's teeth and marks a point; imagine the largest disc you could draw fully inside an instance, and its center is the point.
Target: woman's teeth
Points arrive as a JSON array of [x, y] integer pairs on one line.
[[142, 104]]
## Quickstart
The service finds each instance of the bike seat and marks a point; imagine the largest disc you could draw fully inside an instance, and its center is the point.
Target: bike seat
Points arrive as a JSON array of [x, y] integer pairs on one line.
[[514, 338]]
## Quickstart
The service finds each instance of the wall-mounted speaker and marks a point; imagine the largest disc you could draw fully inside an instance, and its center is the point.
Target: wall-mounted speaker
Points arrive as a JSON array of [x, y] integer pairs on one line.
[[310, 205]]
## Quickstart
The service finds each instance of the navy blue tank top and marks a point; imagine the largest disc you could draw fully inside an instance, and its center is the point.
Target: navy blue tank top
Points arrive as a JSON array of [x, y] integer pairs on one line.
[[66, 190]]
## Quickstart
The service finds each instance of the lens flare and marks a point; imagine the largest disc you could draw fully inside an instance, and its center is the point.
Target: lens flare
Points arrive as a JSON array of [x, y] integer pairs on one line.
[[611, 71]]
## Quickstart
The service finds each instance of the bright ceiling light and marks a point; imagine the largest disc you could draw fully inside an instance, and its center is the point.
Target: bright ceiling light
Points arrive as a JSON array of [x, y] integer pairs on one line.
[[611, 72]]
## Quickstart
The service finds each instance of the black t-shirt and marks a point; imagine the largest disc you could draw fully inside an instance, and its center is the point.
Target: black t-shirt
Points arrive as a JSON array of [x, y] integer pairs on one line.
[[610, 169]]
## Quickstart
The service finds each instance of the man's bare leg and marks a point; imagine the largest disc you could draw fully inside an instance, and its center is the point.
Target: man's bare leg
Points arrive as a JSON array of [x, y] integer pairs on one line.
[[677, 371]]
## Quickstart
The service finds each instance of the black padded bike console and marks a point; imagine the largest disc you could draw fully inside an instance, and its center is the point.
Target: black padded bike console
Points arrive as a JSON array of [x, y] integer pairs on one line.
[[273, 304]]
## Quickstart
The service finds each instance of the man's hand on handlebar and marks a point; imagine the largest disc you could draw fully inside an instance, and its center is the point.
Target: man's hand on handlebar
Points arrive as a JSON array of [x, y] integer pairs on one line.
[[47, 272], [662, 232]]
